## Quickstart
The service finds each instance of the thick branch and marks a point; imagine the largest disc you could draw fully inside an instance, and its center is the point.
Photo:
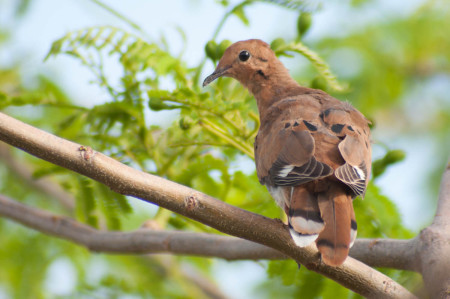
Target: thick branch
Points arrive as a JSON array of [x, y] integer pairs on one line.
[[442, 217], [193, 204], [386, 253], [434, 245]]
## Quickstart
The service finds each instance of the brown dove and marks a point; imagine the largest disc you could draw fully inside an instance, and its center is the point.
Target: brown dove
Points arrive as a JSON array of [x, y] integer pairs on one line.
[[312, 151]]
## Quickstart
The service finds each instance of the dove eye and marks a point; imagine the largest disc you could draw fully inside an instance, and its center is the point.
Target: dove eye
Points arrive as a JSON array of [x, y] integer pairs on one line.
[[244, 55]]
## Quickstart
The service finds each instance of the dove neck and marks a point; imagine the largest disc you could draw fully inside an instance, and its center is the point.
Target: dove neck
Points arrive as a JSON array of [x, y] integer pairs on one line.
[[268, 91]]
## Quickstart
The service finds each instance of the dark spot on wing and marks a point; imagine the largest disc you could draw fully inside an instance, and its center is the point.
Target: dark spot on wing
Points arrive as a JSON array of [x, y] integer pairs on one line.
[[287, 125], [310, 126], [353, 225], [350, 128], [295, 124], [326, 112], [321, 117], [337, 128]]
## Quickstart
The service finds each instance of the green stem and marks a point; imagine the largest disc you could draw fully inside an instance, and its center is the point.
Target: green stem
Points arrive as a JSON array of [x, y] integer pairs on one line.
[[162, 171], [65, 106], [321, 66], [219, 132], [162, 217], [255, 117], [208, 111], [186, 144]]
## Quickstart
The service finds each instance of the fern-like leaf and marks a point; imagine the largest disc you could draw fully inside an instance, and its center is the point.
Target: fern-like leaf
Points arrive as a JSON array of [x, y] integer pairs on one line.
[[321, 66], [299, 5]]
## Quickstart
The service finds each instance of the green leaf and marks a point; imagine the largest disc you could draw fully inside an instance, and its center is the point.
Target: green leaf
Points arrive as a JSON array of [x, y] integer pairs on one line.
[[211, 50], [319, 83], [47, 171], [311, 284], [391, 157], [278, 45], [240, 13], [55, 48], [286, 269], [303, 23], [299, 5], [321, 66], [114, 206], [85, 201]]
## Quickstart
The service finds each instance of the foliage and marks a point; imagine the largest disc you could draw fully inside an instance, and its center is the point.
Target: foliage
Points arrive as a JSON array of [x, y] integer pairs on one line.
[[208, 146]]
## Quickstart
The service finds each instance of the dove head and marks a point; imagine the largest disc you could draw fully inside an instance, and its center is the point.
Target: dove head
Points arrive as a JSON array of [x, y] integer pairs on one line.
[[257, 68], [251, 62]]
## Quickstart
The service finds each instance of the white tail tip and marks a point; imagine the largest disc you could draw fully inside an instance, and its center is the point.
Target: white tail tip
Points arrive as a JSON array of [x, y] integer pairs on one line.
[[302, 240]]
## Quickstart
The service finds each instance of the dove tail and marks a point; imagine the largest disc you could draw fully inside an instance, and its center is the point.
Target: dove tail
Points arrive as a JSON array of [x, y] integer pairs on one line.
[[339, 233], [305, 222]]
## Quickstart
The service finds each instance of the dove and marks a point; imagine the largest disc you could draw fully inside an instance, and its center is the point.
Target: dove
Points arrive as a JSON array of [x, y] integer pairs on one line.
[[312, 151]]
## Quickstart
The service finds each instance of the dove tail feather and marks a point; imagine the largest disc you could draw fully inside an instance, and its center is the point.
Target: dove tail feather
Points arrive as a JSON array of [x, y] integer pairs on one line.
[[302, 240], [338, 235], [305, 221]]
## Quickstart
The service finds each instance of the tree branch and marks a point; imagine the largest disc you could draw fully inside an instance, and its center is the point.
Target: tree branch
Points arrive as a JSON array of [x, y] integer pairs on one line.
[[386, 253], [442, 217], [434, 245], [193, 204], [141, 241]]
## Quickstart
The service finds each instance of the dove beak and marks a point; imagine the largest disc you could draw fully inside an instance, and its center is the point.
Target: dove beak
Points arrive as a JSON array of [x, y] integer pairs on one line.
[[219, 72]]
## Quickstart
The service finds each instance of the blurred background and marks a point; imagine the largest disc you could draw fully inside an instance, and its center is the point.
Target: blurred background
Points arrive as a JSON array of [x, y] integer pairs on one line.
[[125, 78]]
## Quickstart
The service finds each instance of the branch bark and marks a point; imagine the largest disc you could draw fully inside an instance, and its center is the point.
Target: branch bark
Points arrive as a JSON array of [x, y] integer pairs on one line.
[[193, 204], [386, 253], [141, 241], [433, 247]]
